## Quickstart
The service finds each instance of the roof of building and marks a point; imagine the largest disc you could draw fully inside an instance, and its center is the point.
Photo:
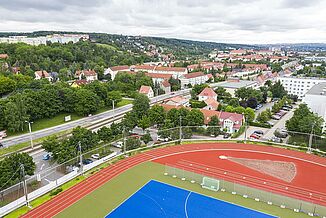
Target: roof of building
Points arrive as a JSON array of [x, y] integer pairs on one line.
[[209, 92], [236, 84], [174, 69], [3, 56], [118, 68], [159, 75], [80, 82], [177, 99], [166, 83], [42, 74], [212, 102], [86, 72], [145, 89], [318, 89], [194, 75], [143, 67]]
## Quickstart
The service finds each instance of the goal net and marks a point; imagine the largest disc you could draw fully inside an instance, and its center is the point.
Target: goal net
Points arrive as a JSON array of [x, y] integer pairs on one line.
[[210, 183]]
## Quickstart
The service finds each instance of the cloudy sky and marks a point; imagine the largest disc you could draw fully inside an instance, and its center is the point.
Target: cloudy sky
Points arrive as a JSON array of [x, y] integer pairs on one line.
[[236, 21]]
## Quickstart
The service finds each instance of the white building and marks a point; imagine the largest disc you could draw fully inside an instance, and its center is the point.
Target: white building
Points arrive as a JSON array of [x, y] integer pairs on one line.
[[42, 74], [231, 85], [299, 85], [194, 79], [206, 94], [113, 71], [315, 98], [147, 90]]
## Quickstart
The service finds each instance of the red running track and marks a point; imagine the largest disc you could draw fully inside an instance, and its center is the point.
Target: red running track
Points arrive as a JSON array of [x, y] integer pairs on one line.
[[194, 152]]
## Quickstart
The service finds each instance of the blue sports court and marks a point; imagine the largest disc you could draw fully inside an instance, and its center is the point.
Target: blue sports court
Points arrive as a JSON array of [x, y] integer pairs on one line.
[[156, 199]]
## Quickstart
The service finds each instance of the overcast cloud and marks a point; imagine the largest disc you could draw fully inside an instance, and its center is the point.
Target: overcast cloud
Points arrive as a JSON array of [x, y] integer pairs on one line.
[[236, 21]]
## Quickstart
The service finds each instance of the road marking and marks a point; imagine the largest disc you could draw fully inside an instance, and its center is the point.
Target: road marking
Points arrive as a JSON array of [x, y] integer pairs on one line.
[[47, 180], [42, 166]]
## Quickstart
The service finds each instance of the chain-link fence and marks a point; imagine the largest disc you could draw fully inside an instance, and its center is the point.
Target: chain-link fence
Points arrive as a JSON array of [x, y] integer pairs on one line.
[[268, 197]]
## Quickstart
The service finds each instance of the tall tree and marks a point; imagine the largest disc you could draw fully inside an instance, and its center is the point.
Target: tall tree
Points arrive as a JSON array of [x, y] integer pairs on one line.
[[140, 105]]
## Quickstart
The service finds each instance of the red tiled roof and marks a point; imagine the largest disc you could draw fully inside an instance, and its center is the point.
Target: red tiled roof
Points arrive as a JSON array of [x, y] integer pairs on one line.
[[194, 75], [166, 83], [144, 89], [81, 82], [144, 67], [209, 76], [86, 72], [212, 102], [176, 69], [118, 68], [3, 56], [42, 74], [159, 75], [208, 92]]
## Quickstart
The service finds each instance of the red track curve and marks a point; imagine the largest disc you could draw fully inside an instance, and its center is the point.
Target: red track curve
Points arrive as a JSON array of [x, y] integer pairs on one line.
[[75, 193]]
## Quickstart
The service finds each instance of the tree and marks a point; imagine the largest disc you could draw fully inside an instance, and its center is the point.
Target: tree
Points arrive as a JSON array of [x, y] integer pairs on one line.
[[87, 102], [10, 169], [252, 103], [249, 114], [105, 134], [278, 90], [132, 143], [175, 84], [51, 143], [144, 123], [234, 102], [303, 120], [157, 115], [113, 96], [214, 126], [85, 137], [140, 106], [146, 138], [173, 116], [7, 85], [263, 117], [195, 118], [16, 113]]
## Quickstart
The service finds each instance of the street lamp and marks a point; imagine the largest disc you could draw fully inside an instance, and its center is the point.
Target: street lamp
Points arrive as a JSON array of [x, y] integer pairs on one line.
[[30, 132], [245, 133], [113, 107]]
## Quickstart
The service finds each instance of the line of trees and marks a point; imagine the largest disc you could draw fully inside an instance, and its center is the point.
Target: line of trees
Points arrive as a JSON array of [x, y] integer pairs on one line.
[[46, 100]]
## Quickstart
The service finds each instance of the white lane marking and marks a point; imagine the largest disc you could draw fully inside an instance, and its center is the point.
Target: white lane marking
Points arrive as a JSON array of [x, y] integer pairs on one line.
[[186, 202]]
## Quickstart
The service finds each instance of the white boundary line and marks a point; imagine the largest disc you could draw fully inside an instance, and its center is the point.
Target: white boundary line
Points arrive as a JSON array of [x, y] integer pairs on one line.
[[186, 202], [211, 197]]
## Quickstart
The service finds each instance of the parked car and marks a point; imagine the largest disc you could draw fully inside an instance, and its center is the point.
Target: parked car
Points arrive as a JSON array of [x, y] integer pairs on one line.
[[276, 117], [276, 139], [254, 136], [258, 106], [87, 161], [3, 134], [280, 133], [118, 144], [46, 156], [95, 156], [288, 106], [259, 132]]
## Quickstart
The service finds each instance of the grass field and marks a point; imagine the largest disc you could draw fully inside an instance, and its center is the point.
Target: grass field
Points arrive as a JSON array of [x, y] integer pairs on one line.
[[103, 200]]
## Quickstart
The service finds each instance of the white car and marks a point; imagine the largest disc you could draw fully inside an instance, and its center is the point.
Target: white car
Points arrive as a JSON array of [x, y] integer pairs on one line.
[[96, 156], [118, 144]]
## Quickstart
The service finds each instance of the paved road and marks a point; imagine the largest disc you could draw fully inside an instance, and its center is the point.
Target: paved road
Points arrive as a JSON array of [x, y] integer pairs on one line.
[[280, 124], [265, 106], [82, 122]]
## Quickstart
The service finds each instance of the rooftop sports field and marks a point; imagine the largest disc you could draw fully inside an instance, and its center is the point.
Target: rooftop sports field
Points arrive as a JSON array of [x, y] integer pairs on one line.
[[113, 187]]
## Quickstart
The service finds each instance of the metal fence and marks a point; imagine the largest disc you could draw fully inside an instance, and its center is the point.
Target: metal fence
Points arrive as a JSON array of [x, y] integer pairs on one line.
[[249, 192]]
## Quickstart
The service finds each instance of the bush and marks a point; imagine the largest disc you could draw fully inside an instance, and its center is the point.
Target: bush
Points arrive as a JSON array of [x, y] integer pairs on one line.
[[263, 125], [197, 104], [55, 192], [237, 134]]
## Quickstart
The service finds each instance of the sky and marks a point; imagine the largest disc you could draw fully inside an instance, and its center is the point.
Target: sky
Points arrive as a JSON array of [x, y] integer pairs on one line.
[[229, 21]]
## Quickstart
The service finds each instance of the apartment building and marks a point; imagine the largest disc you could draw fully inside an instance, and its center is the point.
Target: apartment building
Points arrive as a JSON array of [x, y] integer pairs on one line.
[[299, 85]]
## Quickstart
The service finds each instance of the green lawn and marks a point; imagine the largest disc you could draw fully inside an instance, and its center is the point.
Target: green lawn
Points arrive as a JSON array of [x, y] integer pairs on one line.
[[103, 200]]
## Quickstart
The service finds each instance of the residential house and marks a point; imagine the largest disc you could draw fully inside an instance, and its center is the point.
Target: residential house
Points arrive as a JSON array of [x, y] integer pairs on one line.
[[211, 104], [177, 101], [207, 93], [89, 75], [166, 86], [147, 90], [79, 83], [4, 56], [231, 122], [113, 71], [42, 74], [238, 52]]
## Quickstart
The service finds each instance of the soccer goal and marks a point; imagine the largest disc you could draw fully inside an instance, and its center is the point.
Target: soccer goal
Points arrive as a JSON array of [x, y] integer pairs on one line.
[[211, 184]]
